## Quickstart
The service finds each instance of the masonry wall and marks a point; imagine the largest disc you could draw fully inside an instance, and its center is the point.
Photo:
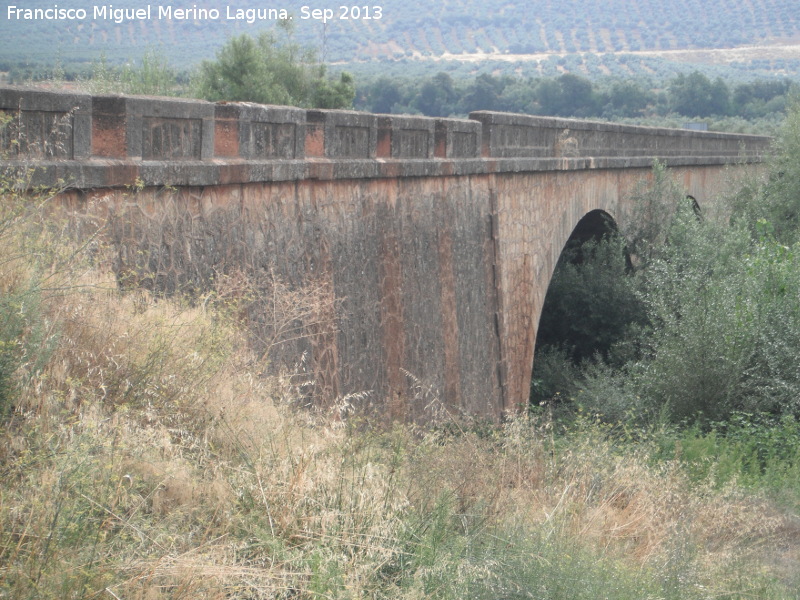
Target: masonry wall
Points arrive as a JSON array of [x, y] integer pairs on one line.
[[428, 243], [412, 301]]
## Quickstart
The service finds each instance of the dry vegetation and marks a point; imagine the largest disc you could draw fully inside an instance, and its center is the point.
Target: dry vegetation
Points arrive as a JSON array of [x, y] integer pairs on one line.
[[148, 449], [147, 453]]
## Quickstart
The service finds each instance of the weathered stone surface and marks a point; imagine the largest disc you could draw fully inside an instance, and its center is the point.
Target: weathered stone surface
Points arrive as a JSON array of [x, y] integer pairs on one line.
[[431, 242], [405, 137], [437, 283], [155, 141], [254, 131], [508, 135], [458, 138], [341, 134], [144, 128], [45, 124]]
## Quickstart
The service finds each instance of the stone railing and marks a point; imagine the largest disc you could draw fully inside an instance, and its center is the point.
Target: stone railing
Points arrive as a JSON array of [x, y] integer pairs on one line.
[[110, 141]]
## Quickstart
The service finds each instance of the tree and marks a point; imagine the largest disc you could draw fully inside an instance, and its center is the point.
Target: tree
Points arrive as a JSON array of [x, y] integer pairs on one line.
[[566, 96], [268, 71], [437, 96], [241, 73], [577, 97], [696, 95], [327, 94], [548, 97], [778, 201], [591, 300], [383, 95], [482, 94], [722, 306], [627, 99]]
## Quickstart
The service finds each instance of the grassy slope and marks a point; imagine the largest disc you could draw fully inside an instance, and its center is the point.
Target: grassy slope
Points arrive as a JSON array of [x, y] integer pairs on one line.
[[141, 457]]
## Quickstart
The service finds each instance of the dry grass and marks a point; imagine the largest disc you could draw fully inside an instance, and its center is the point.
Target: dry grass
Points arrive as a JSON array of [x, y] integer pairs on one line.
[[151, 453]]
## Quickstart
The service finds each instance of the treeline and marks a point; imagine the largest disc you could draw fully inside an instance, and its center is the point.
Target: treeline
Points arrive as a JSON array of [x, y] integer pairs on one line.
[[273, 69], [691, 96]]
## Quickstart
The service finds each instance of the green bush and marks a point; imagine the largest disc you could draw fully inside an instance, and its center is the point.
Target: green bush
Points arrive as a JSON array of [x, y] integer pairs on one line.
[[590, 306], [723, 328], [153, 76], [590, 301], [271, 71], [719, 329], [755, 450], [777, 201]]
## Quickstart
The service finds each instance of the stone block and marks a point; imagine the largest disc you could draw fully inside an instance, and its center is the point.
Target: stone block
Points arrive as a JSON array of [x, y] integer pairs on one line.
[[458, 138], [45, 124], [145, 128], [405, 137], [341, 134], [254, 131], [506, 135]]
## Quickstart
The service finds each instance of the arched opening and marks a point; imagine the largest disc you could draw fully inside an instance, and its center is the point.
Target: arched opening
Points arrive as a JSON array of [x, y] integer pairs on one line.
[[589, 306]]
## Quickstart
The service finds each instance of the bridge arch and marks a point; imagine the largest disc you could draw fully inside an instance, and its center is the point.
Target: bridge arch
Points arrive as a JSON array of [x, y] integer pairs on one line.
[[584, 210], [592, 226], [586, 305]]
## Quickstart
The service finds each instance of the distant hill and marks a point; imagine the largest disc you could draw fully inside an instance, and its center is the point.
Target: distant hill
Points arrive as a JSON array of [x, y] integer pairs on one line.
[[409, 29]]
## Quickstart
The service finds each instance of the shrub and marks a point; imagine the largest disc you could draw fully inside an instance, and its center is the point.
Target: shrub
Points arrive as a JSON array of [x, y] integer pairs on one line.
[[269, 71]]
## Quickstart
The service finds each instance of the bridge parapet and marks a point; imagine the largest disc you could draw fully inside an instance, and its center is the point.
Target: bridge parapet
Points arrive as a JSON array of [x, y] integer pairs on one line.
[[406, 137], [411, 137], [507, 135], [258, 132], [458, 138], [112, 141], [146, 128], [46, 125]]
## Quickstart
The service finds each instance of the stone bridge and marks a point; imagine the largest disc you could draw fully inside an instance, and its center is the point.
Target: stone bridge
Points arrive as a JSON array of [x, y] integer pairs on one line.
[[425, 245]]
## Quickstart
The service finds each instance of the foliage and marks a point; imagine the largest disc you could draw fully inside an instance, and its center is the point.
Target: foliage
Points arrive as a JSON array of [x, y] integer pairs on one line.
[[756, 450], [723, 327], [152, 77], [719, 328], [26, 338], [696, 96], [723, 300], [269, 71], [568, 95], [590, 301], [689, 96], [555, 375], [436, 96], [654, 202], [774, 204]]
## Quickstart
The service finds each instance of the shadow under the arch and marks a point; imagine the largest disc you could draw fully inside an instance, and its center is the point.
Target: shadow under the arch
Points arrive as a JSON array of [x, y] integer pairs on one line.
[[589, 306]]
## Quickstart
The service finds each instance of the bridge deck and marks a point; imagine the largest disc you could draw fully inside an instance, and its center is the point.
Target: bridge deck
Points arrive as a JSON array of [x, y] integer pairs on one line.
[[113, 141]]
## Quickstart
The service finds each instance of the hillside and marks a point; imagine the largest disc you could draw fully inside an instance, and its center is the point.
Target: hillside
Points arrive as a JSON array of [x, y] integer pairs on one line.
[[466, 30]]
